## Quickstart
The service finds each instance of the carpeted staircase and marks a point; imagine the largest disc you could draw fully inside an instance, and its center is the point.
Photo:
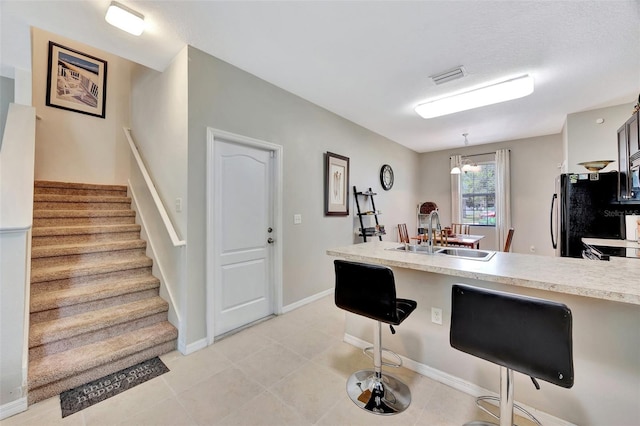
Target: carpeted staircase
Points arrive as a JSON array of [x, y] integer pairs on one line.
[[94, 307]]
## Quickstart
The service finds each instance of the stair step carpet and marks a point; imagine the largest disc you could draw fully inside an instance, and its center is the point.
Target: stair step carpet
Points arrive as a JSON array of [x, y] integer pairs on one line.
[[95, 306]]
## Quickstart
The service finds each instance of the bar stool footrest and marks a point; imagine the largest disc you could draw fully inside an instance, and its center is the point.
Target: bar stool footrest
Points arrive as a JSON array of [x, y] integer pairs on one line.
[[479, 401], [369, 352]]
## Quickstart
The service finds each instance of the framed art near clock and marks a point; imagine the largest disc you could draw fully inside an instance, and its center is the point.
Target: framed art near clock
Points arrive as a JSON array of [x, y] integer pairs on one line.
[[336, 185]]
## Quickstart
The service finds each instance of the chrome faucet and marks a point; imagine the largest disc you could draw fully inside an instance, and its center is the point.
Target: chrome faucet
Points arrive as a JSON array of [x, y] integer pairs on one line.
[[430, 230]]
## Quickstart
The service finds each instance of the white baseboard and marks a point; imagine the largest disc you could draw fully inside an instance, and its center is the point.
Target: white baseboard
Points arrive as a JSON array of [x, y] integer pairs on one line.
[[192, 347], [458, 383], [12, 408], [306, 300]]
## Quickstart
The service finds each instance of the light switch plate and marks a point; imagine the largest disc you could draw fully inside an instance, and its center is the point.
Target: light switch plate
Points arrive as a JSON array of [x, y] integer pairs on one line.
[[297, 219]]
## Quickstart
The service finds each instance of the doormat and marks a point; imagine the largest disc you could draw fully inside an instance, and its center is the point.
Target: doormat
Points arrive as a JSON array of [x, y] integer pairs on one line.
[[84, 396]]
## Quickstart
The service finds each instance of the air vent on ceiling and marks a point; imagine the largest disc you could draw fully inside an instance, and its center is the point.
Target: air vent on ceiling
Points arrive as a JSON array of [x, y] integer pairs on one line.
[[452, 74]]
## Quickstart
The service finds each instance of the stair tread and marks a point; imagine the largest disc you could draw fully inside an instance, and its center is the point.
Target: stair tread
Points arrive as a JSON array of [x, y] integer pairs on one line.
[[81, 198], [63, 328], [77, 185], [62, 213], [45, 300], [46, 231], [85, 248], [60, 365], [92, 267]]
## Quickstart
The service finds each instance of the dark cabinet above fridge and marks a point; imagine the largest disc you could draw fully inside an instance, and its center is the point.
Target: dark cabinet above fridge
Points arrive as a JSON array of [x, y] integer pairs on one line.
[[629, 160]]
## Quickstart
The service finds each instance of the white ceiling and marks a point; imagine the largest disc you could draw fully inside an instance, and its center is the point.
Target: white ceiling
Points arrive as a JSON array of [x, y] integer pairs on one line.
[[369, 61]]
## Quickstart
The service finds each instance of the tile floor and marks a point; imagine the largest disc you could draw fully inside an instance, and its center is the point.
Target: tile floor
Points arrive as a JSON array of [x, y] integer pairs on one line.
[[289, 370]]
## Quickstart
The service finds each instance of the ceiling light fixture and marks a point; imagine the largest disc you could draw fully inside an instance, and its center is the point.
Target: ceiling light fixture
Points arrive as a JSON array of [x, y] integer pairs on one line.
[[466, 165], [492, 94], [124, 18]]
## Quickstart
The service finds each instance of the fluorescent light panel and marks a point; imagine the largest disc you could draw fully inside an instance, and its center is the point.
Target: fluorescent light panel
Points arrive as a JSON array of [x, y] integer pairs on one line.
[[124, 18], [500, 92]]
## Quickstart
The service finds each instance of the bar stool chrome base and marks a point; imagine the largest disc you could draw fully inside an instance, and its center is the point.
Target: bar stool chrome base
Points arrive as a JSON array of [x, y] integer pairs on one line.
[[384, 394]]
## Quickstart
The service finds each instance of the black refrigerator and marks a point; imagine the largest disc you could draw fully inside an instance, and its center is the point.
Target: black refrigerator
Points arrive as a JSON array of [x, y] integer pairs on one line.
[[585, 205]]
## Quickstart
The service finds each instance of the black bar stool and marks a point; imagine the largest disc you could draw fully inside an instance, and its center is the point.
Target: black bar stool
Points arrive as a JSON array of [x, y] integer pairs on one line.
[[519, 333], [370, 291]]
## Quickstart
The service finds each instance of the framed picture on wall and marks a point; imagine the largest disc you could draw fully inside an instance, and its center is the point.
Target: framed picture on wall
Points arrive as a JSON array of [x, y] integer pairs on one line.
[[76, 81], [336, 185]]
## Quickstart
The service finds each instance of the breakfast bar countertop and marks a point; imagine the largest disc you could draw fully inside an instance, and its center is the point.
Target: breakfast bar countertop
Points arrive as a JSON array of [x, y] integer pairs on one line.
[[617, 280]]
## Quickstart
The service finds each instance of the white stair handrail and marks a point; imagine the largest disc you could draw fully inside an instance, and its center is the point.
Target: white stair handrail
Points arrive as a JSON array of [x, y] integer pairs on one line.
[[177, 242]]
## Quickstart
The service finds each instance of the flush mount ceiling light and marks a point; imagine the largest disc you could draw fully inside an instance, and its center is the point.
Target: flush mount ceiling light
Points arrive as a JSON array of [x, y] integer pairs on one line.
[[124, 18], [492, 94]]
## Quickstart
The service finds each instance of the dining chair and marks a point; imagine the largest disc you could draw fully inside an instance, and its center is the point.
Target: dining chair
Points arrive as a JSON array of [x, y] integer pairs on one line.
[[442, 238], [507, 243], [404, 235], [460, 228]]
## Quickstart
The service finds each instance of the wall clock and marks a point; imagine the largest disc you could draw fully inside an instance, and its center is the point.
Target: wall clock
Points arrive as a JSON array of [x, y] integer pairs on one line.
[[386, 177]]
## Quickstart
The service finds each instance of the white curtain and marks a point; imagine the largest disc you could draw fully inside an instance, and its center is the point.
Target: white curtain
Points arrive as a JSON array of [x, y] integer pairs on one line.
[[503, 196], [456, 217]]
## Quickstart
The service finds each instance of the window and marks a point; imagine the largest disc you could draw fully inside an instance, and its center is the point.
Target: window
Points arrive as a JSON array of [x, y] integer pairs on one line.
[[478, 195]]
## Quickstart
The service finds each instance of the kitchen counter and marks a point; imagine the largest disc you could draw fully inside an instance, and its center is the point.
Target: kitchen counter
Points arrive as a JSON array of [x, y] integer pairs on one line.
[[608, 242], [617, 280], [604, 298], [615, 248]]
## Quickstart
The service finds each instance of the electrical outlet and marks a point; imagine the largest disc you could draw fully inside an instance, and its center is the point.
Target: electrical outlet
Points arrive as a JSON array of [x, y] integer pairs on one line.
[[297, 219], [436, 316], [532, 249], [178, 205]]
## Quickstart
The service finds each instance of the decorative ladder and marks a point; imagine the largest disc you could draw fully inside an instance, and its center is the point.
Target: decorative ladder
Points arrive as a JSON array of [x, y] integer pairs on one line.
[[363, 233]]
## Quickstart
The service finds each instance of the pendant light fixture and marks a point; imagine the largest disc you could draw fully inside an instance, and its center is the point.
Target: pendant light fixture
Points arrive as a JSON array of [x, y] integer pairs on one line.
[[466, 165]]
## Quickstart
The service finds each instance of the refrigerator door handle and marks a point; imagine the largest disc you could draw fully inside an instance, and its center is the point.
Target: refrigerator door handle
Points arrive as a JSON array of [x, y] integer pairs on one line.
[[554, 242]]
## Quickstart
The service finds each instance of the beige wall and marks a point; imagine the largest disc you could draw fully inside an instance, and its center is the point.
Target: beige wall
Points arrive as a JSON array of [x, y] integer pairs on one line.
[[588, 141], [534, 166], [224, 97], [159, 112], [6, 97], [76, 147], [159, 129]]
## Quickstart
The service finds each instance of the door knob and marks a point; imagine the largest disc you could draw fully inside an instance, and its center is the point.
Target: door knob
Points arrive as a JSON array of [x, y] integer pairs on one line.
[[270, 240]]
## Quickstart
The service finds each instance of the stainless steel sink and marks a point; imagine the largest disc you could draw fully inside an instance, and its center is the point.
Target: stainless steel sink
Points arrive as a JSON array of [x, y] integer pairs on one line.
[[461, 253], [413, 248], [465, 253]]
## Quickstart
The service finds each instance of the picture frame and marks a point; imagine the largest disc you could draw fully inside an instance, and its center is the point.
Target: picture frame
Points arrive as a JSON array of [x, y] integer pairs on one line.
[[76, 81], [336, 193]]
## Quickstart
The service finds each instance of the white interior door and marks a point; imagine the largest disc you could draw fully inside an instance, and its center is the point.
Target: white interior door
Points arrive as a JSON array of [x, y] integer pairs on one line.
[[243, 233]]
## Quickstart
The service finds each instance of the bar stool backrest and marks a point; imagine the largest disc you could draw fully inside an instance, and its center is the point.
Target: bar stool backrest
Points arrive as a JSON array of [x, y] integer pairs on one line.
[[367, 290], [526, 334]]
